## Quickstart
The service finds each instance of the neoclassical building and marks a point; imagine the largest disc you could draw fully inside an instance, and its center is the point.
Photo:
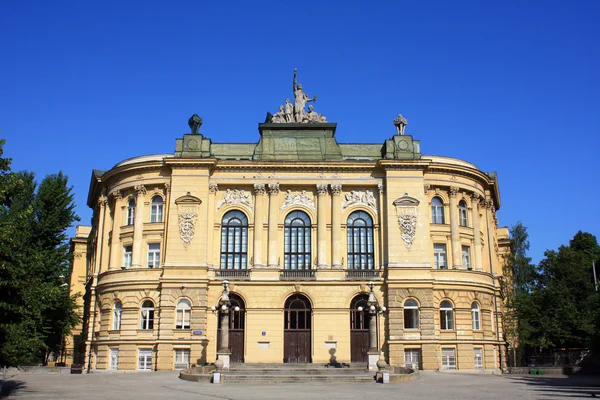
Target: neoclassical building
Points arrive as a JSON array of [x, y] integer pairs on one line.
[[292, 249]]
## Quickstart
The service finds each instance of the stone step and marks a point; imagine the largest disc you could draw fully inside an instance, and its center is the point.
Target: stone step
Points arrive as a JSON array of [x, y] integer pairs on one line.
[[296, 378], [301, 372]]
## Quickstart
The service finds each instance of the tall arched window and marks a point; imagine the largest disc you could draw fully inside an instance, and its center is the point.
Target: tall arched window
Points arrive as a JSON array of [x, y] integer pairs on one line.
[[234, 240], [147, 315], [156, 209], [437, 211], [411, 314], [297, 241], [117, 312], [475, 316], [462, 213], [131, 212], [184, 312], [361, 253], [446, 315], [297, 312]]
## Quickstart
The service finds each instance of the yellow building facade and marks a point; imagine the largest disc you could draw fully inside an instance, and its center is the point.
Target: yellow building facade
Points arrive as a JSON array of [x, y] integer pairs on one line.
[[307, 238]]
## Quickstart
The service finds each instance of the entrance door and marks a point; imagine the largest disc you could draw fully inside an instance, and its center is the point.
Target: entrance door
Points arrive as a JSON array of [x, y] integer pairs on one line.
[[297, 331], [359, 329], [236, 329]]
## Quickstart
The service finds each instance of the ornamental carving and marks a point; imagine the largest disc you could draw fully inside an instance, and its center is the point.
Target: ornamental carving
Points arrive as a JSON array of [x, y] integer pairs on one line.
[[360, 197], [406, 210], [298, 199], [187, 213], [259, 188], [321, 189], [336, 189], [296, 112], [213, 187], [140, 190], [235, 197], [453, 191], [274, 188]]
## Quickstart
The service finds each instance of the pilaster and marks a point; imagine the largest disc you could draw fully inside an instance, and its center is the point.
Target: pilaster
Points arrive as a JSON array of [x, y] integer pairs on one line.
[[273, 215], [476, 231], [114, 240], [336, 226], [138, 226], [321, 226], [259, 192], [456, 248]]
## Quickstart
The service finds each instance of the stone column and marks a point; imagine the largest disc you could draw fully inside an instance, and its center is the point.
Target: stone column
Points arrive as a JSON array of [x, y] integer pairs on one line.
[[336, 226], [273, 214], [114, 241], [456, 248], [476, 231], [212, 253], [259, 191], [382, 227], [101, 238], [138, 226], [490, 228], [321, 226], [224, 331]]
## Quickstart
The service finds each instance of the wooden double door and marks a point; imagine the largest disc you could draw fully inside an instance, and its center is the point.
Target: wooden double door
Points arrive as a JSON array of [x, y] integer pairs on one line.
[[297, 330]]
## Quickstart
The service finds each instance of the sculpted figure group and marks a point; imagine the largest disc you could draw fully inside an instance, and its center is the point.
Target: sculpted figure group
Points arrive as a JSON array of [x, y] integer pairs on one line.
[[296, 113]]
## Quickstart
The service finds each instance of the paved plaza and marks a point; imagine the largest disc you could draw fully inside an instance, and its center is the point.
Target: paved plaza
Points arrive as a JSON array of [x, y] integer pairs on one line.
[[166, 385]]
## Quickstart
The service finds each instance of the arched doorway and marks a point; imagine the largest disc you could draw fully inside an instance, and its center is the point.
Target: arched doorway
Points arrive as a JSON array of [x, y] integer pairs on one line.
[[237, 321], [297, 330], [359, 329]]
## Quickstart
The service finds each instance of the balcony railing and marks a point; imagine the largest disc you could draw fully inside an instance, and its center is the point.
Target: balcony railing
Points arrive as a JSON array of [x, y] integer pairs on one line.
[[232, 274], [363, 274], [297, 274]]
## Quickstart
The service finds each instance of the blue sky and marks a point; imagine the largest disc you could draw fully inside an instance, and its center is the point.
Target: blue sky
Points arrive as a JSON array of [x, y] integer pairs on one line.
[[512, 87]]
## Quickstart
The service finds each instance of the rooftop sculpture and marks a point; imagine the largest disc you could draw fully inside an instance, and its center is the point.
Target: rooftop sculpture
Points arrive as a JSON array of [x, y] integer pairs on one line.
[[296, 113]]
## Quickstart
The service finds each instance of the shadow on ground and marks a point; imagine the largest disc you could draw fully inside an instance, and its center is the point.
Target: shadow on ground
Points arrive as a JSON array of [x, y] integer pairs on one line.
[[9, 386], [574, 387]]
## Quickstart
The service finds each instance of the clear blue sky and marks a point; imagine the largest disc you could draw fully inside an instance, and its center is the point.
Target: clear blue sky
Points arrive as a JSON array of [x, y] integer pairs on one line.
[[512, 87]]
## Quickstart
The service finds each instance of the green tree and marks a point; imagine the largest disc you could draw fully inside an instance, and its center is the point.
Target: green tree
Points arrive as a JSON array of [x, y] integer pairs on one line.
[[35, 307]]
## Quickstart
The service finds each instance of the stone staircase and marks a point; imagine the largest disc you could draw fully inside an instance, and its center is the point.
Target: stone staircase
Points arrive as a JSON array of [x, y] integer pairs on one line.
[[296, 373]]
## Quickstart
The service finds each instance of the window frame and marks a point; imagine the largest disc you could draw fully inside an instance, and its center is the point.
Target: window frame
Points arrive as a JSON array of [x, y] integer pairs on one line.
[[153, 255], [127, 256], [147, 320], [437, 211], [437, 253], [179, 364], [412, 309], [156, 209], [446, 316], [130, 213], [117, 315], [183, 309], [448, 360], [360, 239], [113, 359], [301, 259], [463, 214], [234, 240], [145, 352], [478, 358], [475, 316], [466, 257], [414, 359]]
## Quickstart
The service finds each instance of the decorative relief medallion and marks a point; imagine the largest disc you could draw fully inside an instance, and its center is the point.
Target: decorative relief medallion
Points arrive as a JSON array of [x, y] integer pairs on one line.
[[406, 210], [236, 197], [298, 199], [187, 213], [360, 197]]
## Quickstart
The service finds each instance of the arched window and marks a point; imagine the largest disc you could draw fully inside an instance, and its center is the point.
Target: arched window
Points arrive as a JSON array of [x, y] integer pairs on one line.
[[156, 209], [297, 313], [411, 314], [360, 241], [446, 315], [147, 315], [359, 316], [131, 212], [234, 240], [117, 312], [462, 213], [297, 241], [184, 311], [437, 211], [475, 316]]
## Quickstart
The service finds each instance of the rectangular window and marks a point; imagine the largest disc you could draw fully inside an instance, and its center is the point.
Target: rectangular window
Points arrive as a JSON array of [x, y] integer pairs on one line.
[[145, 359], [478, 354], [182, 358], [448, 358], [412, 358], [114, 359], [462, 212], [439, 256], [153, 255], [466, 257], [127, 251]]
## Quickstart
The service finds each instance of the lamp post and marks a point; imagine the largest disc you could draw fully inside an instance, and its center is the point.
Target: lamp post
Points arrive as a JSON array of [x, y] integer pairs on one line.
[[223, 308], [374, 309]]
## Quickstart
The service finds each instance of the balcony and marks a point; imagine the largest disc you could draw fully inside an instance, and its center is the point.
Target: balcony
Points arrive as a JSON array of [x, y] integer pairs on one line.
[[297, 274], [232, 274], [363, 274]]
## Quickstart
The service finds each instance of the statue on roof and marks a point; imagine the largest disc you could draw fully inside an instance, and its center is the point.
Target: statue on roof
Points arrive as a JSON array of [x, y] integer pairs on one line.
[[400, 122], [195, 122], [296, 113]]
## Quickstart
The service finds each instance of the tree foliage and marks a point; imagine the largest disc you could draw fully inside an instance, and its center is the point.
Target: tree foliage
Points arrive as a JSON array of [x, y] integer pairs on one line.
[[35, 307]]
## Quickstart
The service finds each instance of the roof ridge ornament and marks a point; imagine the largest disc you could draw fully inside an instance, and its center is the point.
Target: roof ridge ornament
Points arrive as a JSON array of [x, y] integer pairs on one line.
[[400, 122], [296, 113], [195, 122]]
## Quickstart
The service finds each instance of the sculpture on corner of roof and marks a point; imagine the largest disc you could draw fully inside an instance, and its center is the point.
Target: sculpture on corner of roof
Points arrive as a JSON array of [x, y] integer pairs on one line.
[[296, 113], [400, 122], [195, 122]]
